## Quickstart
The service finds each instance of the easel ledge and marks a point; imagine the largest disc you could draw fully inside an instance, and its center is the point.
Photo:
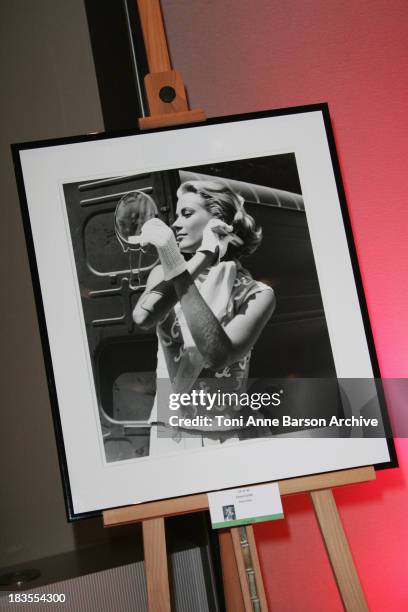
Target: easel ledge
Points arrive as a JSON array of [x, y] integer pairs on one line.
[[235, 575], [199, 502]]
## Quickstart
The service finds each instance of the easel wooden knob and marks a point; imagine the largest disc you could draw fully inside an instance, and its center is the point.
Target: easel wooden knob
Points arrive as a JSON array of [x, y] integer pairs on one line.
[[242, 577]]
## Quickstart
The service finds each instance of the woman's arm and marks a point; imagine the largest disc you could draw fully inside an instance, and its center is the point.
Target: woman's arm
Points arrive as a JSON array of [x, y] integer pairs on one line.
[[222, 346], [160, 295], [219, 347]]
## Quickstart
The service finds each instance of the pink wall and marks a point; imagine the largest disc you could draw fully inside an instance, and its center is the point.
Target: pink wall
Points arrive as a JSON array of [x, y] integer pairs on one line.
[[239, 56]]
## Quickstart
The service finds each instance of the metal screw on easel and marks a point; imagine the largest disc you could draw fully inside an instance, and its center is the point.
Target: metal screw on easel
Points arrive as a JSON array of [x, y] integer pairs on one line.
[[167, 94]]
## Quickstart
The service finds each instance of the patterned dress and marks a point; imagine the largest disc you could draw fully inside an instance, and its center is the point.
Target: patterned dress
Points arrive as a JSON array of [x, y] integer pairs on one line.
[[226, 288]]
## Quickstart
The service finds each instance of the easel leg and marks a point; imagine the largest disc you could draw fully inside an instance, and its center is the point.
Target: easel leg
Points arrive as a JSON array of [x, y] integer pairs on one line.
[[234, 601], [156, 569], [249, 570], [338, 550], [257, 568]]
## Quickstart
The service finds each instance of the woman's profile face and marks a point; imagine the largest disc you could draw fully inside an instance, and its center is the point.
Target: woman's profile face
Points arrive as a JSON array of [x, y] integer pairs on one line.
[[191, 219]]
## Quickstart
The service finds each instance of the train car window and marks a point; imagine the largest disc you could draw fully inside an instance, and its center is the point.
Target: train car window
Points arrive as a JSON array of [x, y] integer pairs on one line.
[[123, 358]]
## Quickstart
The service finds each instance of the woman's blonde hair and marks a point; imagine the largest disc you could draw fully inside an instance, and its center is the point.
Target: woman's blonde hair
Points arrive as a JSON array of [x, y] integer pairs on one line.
[[224, 203]]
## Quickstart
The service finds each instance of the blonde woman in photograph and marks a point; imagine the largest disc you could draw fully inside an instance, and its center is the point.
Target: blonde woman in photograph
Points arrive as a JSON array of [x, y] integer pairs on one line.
[[206, 307]]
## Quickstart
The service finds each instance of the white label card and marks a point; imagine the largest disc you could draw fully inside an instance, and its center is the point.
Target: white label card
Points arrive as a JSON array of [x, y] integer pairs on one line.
[[245, 505]]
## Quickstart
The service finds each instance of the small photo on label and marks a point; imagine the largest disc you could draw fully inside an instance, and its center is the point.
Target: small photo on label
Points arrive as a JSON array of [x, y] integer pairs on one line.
[[229, 513]]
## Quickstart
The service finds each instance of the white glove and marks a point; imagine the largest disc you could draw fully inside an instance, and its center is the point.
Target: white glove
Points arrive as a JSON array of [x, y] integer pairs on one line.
[[161, 236], [217, 236]]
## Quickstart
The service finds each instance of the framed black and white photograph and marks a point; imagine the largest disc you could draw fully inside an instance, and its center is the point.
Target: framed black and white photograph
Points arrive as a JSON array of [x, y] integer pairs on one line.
[[201, 261]]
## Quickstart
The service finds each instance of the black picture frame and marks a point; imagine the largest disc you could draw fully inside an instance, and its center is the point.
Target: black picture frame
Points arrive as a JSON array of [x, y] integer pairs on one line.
[[59, 144]]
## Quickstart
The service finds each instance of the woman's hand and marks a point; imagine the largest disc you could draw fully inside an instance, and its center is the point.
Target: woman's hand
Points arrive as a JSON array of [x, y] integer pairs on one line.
[[161, 236], [160, 296], [155, 232], [217, 236]]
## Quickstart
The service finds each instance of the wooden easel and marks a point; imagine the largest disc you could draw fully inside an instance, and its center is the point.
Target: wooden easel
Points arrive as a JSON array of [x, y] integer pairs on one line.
[[243, 588], [235, 578]]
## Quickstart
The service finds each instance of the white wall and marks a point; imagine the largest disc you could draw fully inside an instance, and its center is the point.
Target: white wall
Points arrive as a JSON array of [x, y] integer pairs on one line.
[[49, 89]]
